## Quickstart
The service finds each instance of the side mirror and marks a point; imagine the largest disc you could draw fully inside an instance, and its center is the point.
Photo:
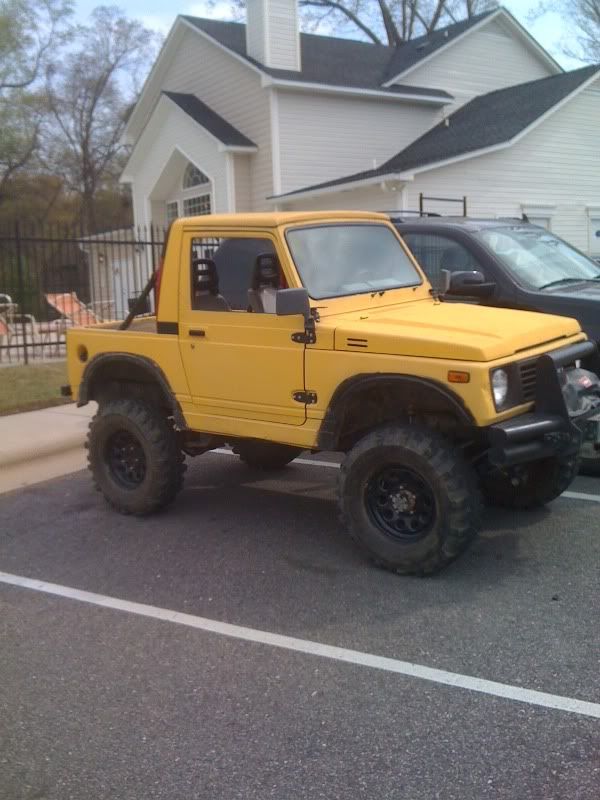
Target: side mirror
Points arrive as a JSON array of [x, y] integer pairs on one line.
[[470, 283], [292, 301]]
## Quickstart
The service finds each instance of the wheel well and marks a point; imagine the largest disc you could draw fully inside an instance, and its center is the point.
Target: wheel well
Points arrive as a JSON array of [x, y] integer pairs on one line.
[[123, 376], [368, 402]]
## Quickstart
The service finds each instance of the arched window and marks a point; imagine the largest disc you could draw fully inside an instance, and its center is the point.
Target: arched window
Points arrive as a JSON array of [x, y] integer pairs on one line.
[[193, 177]]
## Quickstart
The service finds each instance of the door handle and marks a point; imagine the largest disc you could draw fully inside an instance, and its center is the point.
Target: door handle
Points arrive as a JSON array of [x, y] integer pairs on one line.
[[197, 332]]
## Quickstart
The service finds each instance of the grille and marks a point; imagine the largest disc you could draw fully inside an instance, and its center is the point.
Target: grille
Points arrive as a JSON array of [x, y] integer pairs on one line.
[[356, 342], [528, 374]]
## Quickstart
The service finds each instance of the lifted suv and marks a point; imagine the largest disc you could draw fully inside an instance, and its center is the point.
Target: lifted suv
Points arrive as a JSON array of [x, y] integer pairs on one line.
[[276, 333]]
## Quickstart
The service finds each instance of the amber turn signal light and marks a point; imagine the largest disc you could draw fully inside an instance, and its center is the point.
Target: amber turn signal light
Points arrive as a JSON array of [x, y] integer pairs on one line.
[[458, 377]]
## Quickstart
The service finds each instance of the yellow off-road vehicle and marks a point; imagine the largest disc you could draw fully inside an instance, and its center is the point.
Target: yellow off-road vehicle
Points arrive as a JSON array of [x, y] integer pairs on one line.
[[277, 333]]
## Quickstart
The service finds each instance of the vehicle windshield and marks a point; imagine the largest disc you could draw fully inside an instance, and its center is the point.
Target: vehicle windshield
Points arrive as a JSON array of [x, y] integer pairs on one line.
[[537, 258], [346, 259]]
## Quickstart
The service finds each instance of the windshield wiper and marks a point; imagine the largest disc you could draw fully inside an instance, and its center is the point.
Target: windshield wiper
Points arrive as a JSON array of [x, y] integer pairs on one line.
[[563, 280]]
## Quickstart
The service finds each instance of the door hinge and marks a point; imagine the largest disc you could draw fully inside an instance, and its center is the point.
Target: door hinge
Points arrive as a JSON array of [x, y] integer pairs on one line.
[[305, 337], [308, 398]]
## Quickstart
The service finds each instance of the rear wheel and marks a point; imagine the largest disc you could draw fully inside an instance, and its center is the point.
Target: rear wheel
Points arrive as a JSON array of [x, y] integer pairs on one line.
[[529, 485], [134, 456], [265, 455], [408, 499]]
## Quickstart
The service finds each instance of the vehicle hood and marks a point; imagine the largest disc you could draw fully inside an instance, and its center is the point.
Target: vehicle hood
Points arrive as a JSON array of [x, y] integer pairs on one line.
[[460, 331], [586, 290]]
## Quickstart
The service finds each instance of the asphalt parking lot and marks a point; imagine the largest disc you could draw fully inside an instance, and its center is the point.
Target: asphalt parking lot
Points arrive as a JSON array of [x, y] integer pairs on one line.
[[101, 697]]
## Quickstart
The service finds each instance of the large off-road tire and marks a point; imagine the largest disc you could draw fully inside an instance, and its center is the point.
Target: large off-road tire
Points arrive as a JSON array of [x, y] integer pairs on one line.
[[265, 455], [134, 456], [530, 485], [409, 499]]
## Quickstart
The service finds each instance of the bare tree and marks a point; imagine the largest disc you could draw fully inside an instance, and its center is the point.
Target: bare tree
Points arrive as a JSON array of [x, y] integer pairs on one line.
[[582, 22], [389, 22], [30, 31], [90, 98]]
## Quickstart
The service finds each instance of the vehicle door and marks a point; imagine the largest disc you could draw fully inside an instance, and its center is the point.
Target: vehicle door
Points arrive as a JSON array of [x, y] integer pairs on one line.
[[239, 362], [454, 251]]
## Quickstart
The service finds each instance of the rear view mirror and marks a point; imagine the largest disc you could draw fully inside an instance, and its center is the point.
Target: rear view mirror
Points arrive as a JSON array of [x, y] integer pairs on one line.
[[292, 301], [469, 283]]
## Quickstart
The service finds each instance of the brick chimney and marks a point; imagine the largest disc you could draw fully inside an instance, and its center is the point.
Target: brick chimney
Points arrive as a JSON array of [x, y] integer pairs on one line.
[[273, 33]]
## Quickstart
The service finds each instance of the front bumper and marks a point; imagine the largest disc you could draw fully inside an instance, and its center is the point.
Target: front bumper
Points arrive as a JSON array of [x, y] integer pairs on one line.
[[555, 426]]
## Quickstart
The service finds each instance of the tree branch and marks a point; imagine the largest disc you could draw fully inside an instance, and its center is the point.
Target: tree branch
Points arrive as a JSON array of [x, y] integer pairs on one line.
[[347, 13]]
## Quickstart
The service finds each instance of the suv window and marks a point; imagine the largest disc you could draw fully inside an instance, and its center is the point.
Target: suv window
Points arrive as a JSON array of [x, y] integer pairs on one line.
[[436, 253], [235, 260]]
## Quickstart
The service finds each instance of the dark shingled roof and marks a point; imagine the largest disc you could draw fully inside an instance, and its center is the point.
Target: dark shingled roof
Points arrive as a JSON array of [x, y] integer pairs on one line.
[[485, 121], [333, 61], [205, 116]]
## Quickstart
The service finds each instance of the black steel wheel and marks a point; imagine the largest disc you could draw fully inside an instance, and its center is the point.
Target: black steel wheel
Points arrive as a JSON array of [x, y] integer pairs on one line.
[[126, 459], [409, 499], [401, 503], [134, 456]]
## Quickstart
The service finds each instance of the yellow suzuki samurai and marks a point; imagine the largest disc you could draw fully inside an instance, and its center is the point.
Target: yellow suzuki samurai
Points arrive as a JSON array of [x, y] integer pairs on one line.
[[281, 332]]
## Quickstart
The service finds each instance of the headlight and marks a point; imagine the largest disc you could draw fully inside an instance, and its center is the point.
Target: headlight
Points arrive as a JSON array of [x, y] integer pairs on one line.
[[500, 387]]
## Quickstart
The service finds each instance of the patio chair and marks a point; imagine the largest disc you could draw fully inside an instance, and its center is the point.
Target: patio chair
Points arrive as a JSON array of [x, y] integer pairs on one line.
[[72, 309], [16, 326]]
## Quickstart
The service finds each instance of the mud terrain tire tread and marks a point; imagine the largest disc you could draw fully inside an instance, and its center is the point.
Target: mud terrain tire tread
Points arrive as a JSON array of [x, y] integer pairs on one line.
[[454, 484], [165, 462], [551, 477]]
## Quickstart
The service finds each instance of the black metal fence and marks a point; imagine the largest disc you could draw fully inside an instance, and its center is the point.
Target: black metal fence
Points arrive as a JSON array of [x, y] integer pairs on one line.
[[53, 278]]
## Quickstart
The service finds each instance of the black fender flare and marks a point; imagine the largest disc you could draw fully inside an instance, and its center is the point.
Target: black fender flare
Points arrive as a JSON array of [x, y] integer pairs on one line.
[[150, 367], [330, 430]]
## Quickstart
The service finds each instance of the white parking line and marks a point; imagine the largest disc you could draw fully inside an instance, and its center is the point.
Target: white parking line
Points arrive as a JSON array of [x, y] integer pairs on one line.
[[591, 498], [440, 676]]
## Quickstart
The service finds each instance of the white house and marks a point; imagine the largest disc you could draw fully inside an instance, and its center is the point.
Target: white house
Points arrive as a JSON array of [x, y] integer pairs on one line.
[[249, 117]]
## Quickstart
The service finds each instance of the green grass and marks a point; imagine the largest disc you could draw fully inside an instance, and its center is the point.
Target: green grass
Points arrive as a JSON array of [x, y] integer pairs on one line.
[[26, 388]]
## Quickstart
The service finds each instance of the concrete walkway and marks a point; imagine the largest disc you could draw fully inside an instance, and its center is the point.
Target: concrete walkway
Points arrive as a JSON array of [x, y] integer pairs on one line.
[[39, 445]]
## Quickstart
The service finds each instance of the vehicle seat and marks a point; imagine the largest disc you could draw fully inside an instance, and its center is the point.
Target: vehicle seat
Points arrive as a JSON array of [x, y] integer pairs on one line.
[[456, 259], [262, 296], [206, 286]]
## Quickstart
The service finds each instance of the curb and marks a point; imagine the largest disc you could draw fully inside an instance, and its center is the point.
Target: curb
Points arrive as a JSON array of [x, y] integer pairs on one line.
[[71, 442]]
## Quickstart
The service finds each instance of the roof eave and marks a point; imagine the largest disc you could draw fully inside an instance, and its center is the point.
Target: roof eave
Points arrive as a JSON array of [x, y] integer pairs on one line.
[[268, 81], [340, 187]]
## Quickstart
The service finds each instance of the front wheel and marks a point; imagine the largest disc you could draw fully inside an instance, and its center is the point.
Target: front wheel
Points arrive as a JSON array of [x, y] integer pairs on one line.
[[409, 499], [529, 486], [134, 456]]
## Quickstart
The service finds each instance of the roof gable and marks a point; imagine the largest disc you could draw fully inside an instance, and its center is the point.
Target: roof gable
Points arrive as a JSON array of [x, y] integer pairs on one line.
[[417, 51], [210, 120]]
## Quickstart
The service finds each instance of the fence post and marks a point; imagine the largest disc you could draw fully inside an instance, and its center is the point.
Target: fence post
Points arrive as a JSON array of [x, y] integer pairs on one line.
[[21, 290]]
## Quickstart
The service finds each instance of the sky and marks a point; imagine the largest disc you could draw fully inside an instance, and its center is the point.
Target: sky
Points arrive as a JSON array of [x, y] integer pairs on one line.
[[158, 15]]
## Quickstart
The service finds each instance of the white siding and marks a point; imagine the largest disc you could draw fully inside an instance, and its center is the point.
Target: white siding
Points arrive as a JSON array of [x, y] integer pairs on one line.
[[488, 59], [325, 136], [272, 33], [243, 193], [283, 45], [256, 29], [557, 164], [369, 198], [233, 91]]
